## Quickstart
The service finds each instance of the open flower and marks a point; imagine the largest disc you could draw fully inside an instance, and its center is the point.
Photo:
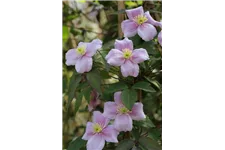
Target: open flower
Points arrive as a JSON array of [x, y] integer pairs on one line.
[[99, 131], [123, 55], [94, 101], [139, 23], [123, 117], [81, 57]]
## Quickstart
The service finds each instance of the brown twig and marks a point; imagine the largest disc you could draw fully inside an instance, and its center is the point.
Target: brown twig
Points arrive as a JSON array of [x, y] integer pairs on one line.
[[120, 18]]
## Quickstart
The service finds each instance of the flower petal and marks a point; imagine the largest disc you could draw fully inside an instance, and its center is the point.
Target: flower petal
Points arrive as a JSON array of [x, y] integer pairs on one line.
[[137, 112], [115, 57], [84, 64], [117, 98], [96, 142], [151, 20], [89, 131], [110, 109], [124, 44], [110, 134], [131, 13], [139, 55], [100, 119], [147, 31], [160, 38], [129, 69], [129, 28], [71, 57], [93, 47], [123, 123]]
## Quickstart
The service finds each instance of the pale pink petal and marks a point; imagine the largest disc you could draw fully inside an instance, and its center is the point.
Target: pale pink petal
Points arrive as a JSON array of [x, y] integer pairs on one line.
[[139, 55], [93, 47], [131, 13], [89, 131], [96, 142], [160, 38], [100, 119], [124, 44], [82, 44], [123, 122], [110, 134], [129, 69], [115, 57], [110, 109], [84, 64], [151, 20], [129, 28], [147, 31], [72, 57], [117, 98], [137, 112]]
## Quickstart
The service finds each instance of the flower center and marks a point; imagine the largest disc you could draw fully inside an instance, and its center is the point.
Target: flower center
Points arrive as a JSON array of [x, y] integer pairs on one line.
[[97, 128], [81, 50], [140, 19], [127, 53], [123, 110]]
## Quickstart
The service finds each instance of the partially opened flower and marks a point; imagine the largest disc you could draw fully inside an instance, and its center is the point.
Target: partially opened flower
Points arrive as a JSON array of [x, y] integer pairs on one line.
[[139, 23], [99, 131], [81, 56], [123, 117], [94, 101], [123, 55]]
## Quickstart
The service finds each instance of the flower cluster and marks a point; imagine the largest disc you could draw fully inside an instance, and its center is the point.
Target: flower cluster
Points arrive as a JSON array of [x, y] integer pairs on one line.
[[99, 131], [127, 58]]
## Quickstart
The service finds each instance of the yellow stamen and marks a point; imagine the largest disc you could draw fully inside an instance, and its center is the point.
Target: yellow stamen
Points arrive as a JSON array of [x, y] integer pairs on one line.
[[123, 110], [97, 128], [127, 53], [81, 50], [140, 19]]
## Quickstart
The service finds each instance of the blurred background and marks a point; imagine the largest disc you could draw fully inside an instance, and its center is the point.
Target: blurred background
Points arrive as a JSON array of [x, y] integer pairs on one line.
[[87, 20]]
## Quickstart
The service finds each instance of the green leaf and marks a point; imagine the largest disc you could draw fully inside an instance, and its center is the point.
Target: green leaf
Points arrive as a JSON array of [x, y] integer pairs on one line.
[[116, 87], [147, 123], [87, 93], [77, 144], [74, 82], [78, 101], [155, 133], [149, 144], [129, 96], [94, 80], [104, 74], [126, 144], [135, 133], [142, 85]]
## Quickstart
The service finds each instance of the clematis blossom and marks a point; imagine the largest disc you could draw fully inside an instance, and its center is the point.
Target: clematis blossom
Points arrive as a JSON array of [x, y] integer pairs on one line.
[[94, 101], [139, 23], [160, 34], [99, 131], [123, 117], [123, 55], [81, 56]]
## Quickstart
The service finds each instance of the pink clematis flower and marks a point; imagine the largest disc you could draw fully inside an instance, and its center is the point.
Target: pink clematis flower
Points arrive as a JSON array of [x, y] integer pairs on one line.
[[81, 57], [160, 34], [139, 23], [99, 131], [123, 55], [123, 117], [94, 101]]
